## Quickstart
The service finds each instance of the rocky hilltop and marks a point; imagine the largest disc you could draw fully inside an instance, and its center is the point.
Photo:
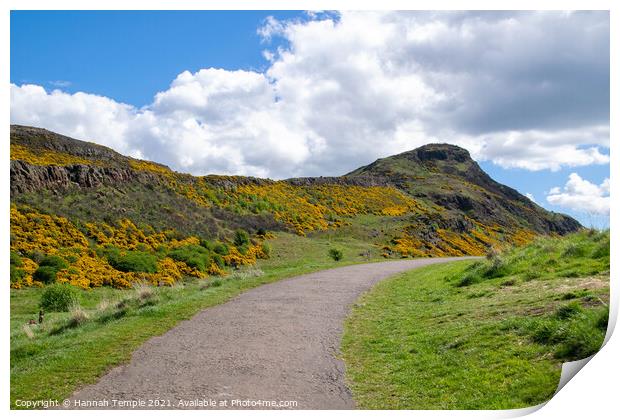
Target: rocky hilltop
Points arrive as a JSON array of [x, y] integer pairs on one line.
[[447, 176]]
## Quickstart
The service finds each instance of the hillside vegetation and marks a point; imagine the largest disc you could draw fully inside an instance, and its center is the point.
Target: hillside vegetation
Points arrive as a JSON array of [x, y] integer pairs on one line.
[[118, 221], [489, 334]]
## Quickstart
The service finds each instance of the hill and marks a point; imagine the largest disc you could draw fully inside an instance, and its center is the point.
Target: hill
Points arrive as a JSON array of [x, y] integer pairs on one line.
[[114, 220], [447, 176]]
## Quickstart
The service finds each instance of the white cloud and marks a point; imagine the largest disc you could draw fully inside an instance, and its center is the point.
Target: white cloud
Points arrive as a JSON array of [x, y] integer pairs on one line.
[[582, 196], [84, 116], [531, 197], [524, 90], [536, 150]]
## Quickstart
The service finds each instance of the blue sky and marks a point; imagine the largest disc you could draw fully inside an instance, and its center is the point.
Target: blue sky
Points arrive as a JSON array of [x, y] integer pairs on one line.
[[283, 94], [130, 56]]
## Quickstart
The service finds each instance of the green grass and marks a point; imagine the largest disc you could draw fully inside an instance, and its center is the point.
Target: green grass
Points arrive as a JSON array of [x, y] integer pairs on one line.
[[427, 339], [65, 355]]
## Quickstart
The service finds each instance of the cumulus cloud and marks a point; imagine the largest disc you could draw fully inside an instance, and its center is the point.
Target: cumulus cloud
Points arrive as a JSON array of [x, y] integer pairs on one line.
[[582, 196], [521, 89], [537, 150], [81, 115]]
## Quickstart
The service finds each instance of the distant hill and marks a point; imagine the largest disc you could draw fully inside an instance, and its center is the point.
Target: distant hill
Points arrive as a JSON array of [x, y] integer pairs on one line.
[[447, 176], [434, 200]]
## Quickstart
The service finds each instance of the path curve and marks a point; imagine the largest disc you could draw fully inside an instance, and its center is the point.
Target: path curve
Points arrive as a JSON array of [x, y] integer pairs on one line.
[[277, 342]]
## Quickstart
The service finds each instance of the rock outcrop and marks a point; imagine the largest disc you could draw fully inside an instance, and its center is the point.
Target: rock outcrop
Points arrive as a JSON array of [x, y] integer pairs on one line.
[[26, 177]]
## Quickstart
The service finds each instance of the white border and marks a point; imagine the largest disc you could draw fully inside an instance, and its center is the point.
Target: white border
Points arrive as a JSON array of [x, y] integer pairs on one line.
[[591, 394]]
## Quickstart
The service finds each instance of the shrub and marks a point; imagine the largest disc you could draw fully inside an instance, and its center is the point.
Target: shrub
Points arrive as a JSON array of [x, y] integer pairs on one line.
[[207, 244], [266, 249], [16, 259], [601, 251], [37, 256], [48, 267], [58, 297], [261, 231], [496, 268], [335, 253], [45, 274], [243, 249], [574, 250], [109, 252], [134, 261], [58, 263], [221, 248], [492, 253], [16, 274], [194, 256], [218, 260], [241, 238]]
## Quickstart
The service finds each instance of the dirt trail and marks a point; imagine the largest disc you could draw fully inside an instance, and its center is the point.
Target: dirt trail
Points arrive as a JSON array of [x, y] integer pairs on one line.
[[277, 342]]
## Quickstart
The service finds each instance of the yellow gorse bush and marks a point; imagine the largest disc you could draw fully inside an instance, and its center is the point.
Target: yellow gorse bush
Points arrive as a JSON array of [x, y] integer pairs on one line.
[[301, 207], [43, 157], [31, 230], [34, 232], [475, 241], [143, 165]]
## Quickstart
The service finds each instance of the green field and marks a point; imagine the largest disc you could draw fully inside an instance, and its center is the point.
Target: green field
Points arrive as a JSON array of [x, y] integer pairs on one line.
[[59, 357], [489, 334]]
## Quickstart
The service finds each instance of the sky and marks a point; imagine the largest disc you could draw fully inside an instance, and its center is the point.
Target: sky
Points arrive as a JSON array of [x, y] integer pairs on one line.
[[287, 94]]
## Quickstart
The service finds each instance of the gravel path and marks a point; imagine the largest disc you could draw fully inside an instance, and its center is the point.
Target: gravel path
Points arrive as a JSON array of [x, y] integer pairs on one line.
[[277, 342]]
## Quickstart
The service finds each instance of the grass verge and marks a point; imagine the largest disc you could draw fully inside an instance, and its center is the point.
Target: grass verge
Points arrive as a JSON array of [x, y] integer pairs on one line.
[[490, 334]]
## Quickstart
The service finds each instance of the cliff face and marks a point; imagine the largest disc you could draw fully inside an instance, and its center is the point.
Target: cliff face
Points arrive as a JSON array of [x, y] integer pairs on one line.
[[43, 160], [26, 177]]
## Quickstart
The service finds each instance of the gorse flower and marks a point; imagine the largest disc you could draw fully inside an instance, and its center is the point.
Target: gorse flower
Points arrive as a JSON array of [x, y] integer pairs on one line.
[[35, 235]]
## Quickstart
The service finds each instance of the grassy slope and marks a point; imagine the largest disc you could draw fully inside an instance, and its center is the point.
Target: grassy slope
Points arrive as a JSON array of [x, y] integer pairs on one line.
[[53, 366], [485, 335]]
